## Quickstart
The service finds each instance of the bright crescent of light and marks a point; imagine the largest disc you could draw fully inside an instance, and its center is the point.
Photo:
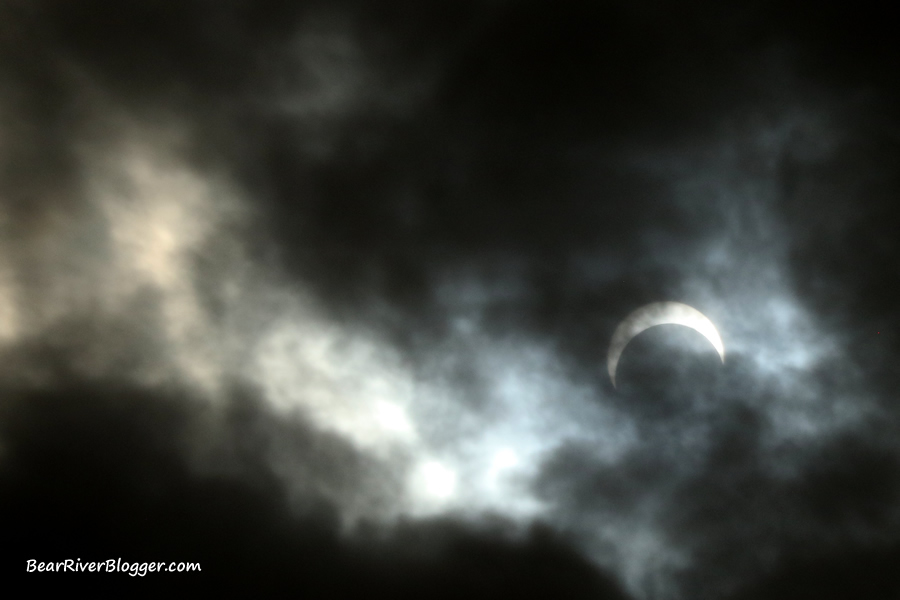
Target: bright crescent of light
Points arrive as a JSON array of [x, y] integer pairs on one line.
[[659, 313]]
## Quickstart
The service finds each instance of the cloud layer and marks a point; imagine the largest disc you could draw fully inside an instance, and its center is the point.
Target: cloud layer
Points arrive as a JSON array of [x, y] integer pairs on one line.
[[359, 268]]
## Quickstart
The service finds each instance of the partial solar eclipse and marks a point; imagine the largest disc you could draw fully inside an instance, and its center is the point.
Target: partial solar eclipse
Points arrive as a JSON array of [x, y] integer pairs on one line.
[[659, 313]]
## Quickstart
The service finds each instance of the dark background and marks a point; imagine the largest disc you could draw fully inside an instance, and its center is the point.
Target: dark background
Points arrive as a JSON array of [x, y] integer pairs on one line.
[[494, 138]]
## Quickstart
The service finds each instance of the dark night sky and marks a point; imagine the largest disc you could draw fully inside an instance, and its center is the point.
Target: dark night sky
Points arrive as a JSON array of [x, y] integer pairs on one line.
[[319, 294]]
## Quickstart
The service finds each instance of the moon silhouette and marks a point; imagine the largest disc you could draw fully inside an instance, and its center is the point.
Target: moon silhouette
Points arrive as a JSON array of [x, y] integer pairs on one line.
[[660, 313]]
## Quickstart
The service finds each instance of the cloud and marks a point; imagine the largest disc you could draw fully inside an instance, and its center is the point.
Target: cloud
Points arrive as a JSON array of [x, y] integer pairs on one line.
[[99, 472], [359, 269]]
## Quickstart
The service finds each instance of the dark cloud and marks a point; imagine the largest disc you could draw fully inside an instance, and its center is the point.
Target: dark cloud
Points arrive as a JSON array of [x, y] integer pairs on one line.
[[864, 572], [406, 233], [98, 472]]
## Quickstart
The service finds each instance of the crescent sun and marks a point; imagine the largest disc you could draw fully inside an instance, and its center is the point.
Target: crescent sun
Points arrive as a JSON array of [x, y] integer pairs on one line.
[[660, 313]]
